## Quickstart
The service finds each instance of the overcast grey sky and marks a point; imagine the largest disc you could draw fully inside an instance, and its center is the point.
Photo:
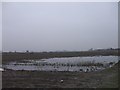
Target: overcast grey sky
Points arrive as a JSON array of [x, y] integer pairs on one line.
[[59, 26]]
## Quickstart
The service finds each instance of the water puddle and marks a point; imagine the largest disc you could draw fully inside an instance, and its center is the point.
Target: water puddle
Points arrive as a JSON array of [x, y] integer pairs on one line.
[[80, 64]]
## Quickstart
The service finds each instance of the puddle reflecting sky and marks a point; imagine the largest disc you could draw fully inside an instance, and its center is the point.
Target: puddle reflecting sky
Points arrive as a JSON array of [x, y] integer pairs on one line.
[[81, 64]]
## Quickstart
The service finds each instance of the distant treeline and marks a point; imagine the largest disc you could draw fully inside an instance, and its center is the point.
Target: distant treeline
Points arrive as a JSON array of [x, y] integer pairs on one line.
[[8, 56]]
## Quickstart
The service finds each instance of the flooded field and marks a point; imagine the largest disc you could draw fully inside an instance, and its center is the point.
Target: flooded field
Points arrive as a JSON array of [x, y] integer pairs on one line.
[[80, 64]]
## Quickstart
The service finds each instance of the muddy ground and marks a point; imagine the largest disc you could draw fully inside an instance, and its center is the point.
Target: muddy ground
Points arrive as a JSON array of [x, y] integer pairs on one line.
[[35, 79], [107, 78]]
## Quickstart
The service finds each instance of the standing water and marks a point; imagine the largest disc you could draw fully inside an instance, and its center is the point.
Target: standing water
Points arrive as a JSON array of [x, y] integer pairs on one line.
[[81, 64]]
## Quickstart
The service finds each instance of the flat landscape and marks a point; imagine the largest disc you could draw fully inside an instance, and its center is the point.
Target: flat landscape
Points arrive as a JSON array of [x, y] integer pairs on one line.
[[13, 56], [107, 78], [59, 44]]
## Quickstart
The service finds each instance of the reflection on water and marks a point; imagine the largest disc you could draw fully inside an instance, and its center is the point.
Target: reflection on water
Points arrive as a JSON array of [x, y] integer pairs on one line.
[[81, 64]]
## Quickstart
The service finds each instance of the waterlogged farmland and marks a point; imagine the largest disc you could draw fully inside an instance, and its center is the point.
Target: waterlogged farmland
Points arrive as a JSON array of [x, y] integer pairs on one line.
[[61, 69], [80, 64]]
